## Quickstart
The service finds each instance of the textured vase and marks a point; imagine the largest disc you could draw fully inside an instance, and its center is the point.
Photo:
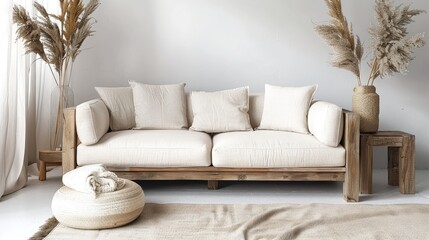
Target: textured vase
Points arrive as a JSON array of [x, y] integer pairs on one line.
[[61, 97], [366, 103]]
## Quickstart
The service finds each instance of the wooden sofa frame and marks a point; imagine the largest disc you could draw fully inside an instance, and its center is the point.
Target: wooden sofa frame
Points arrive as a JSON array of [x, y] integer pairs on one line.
[[349, 174]]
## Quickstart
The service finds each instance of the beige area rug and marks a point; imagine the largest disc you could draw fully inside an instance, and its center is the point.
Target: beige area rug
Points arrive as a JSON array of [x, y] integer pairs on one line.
[[285, 221]]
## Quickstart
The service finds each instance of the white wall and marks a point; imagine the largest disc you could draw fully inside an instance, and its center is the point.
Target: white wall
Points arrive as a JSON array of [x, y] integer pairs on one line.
[[220, 44]]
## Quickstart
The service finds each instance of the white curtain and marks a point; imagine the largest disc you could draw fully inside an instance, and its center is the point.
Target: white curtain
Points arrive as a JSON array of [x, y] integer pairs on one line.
[[24, 103]]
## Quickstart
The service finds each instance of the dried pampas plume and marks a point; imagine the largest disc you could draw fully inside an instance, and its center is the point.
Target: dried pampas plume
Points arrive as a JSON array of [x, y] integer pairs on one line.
[[347, 49], [57, 40], [28, 31], [392, 47]]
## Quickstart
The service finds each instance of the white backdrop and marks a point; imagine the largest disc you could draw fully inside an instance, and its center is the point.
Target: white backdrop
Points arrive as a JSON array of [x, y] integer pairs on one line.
[[220, 44]]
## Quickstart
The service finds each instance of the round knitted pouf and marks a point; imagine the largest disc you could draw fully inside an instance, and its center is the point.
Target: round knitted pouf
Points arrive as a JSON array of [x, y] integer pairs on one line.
[[108, 210]]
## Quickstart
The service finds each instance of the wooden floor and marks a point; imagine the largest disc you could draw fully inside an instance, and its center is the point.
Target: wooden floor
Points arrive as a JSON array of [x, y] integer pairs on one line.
[[22, 212]]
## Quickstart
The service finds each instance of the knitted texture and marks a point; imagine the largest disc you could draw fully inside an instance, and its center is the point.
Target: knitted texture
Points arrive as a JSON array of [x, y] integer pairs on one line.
[[94, 179], [110, 209], [366, 103]]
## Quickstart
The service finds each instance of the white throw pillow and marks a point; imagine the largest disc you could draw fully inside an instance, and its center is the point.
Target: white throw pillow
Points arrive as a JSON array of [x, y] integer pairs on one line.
[[325, 122], [286, 108], [119, 101], [92, 121], [222, 111], [159, 106]]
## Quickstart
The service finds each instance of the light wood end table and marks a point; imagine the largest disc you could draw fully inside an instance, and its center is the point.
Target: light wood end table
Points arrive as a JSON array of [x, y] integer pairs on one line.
[[48, 158], [401, 159]]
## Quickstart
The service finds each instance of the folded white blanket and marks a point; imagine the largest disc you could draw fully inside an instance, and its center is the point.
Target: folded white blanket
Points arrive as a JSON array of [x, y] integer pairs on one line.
[[93, 179]]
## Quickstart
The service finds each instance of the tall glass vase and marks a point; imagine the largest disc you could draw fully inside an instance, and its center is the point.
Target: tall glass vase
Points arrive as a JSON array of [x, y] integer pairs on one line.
[[62, 97]]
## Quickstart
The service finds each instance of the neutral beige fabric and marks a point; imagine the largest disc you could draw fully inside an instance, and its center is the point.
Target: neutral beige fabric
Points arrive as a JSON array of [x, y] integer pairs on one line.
[[119, 101], [159, 106], [92, 121], [93, 179], [189, 113], [256, 106], [113, 209], [325, 122], [272, 149], [272, 221], [148, 148], [221, 111], [286, 108]]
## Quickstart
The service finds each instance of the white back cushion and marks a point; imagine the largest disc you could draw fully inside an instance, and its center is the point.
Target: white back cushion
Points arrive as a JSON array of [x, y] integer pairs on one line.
[[286, 108], [221, 111], [159, 106], [256, 106], [325, 122], [92, 121], [119, 102]]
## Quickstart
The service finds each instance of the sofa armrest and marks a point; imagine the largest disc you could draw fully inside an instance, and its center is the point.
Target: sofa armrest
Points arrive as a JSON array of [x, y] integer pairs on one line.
[[92, 121], [325, 122], [70, 140], [351, 138]]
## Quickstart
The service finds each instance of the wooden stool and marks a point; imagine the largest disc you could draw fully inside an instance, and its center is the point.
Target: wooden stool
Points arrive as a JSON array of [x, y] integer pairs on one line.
[[401, 159], [48, 158]]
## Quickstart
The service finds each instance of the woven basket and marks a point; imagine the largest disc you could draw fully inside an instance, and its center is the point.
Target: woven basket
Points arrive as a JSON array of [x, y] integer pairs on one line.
[[366, 103], [113, 209]]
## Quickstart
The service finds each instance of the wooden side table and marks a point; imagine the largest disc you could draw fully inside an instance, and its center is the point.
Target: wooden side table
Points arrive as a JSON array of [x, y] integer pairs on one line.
[[401, 159], [48, 158]]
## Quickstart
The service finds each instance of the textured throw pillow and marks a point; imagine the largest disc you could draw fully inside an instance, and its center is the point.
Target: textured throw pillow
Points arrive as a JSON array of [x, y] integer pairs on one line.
[[119, 101], [221, 111], [325, 122], [286, 108], [159, 106]]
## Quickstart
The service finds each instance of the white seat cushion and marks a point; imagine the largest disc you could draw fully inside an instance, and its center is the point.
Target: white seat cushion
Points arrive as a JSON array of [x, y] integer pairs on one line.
[[148, 148], [273, 149]]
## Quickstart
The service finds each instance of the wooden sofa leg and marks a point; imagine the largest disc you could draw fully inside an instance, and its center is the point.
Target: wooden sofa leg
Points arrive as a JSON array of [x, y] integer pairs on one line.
[[351, 186], [213, 184]]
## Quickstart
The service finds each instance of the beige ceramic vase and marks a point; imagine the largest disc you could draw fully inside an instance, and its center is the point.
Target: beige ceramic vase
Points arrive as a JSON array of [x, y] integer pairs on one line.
[[366, 103]]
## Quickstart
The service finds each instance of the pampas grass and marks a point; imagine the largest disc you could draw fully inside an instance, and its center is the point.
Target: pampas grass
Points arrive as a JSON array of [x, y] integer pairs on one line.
[[56, 39], [391, 46], [347, 49]]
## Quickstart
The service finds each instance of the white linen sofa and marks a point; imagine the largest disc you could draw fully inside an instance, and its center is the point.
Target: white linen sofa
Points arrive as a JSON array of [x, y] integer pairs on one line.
[[260, 155]]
